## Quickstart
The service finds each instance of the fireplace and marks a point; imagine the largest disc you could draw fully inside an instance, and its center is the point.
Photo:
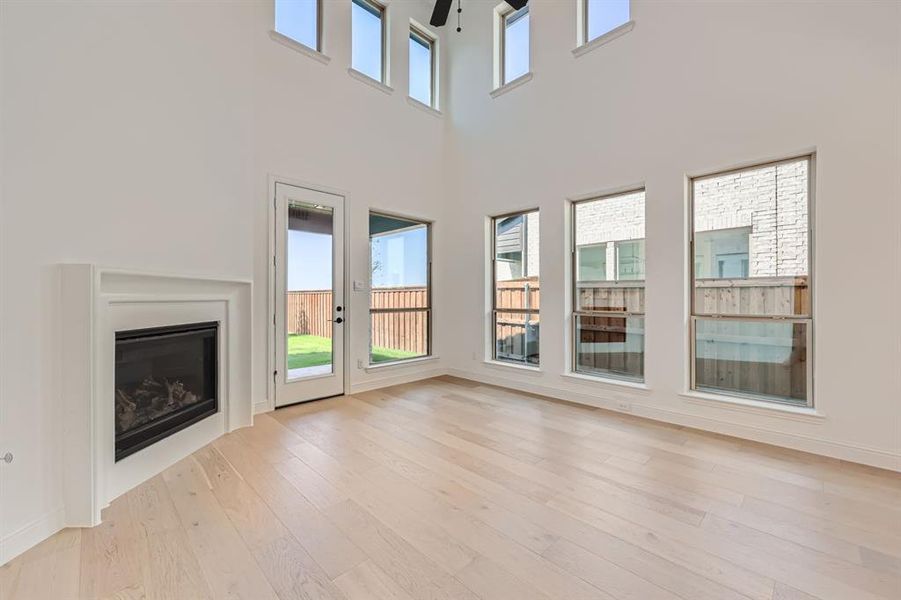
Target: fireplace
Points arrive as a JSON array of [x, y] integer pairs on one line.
[[166, 379]]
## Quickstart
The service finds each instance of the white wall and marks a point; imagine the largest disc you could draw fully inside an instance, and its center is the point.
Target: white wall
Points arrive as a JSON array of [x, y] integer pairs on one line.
[[694, 88], [142, 135]]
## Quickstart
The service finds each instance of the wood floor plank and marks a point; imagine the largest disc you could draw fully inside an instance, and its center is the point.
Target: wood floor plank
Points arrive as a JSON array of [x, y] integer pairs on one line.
[[605, 575], [112, 556], [171, 569], [406, 566], [673, 548], [493, 582], [328, 546], [287, 566], [51, 570], [882, 541], [228, 565], [452, 490], [366, 581]]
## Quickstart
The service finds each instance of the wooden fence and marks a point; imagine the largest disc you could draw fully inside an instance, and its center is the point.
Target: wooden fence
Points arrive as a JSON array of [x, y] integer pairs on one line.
[[308, 313], [766, 358], [516, 333], [770, 356]]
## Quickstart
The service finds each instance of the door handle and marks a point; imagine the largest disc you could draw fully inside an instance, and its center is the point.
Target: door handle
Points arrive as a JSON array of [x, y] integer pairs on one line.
[[338, 320], [7, 458]]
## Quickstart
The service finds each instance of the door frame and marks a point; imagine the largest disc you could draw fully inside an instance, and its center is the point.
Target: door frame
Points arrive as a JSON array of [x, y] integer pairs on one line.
[[271, 299]]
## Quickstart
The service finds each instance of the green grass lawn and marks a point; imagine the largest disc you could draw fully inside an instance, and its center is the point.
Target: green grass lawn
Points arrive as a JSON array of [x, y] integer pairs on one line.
[[312, 351]]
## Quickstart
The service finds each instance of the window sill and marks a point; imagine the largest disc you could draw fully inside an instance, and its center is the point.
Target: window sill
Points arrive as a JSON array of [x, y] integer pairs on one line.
[[400, 363], [607, 381], [772, 409], [511, 85], [604, 39], [359, 76], [509, 365], [424, 107], [298, 47]]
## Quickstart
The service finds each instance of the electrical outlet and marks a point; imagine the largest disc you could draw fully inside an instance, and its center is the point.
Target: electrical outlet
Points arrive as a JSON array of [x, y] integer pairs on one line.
[[360, 363], [624, 405]]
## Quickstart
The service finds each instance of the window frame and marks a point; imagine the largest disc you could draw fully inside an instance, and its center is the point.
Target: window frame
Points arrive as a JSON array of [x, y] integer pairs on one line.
[[574, 309], [319, 26], [428, 294], [583, 43], [494, 310], [504, 13], [381, 11], [425, 37], [808, 319]]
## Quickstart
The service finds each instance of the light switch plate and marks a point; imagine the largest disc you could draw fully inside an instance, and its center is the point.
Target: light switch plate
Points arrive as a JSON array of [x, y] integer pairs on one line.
[[359, 286]]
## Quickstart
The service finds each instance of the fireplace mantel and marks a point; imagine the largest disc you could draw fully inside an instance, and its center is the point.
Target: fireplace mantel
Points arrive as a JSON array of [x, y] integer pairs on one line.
[[100, 301]]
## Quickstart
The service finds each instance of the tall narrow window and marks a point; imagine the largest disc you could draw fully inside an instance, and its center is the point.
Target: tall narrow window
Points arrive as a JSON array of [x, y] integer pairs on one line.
[[602, 16], [514, 44], [400, 289], [608, 286], [422, 66], [751, 306], [300, 21], [515, 298], [368, 39]]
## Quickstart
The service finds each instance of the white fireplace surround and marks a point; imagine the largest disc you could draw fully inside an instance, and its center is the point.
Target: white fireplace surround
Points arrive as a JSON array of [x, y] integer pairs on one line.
[[100, 301]]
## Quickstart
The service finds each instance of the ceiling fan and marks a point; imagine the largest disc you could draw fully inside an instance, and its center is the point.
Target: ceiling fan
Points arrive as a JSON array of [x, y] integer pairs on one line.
[[442, 10]]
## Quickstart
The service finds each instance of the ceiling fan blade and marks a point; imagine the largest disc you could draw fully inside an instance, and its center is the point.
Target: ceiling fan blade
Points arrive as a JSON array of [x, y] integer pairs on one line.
[[440, 12], [517, 4]]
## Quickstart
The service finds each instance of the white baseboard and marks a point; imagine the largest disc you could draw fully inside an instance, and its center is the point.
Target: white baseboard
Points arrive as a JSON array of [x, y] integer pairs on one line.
[[262, 406], [32, 534], [875, 457], [380, 382]]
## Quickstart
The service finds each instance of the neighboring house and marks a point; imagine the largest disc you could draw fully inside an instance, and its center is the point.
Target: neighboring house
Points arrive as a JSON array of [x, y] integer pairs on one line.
[[517, 247], [750, 224]]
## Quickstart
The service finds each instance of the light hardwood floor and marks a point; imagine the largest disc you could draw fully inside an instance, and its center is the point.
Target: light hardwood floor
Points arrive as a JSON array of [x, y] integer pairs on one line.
[[446, 489]]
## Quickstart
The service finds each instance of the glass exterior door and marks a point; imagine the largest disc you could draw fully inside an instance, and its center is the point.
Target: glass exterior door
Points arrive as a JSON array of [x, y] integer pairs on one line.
[[309, 311]]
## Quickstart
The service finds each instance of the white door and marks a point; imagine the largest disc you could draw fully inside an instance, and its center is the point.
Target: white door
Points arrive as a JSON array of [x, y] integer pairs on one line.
[[309, 294]]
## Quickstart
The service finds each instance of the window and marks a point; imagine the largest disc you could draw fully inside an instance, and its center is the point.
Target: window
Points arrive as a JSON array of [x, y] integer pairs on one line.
[[751, 317], [515, 297], [422, 66], [368, 39], [608, 286], [722, 253], [513, 44], [299, 20], [630, 260], [602, 16], [591, 262], [400, 298]]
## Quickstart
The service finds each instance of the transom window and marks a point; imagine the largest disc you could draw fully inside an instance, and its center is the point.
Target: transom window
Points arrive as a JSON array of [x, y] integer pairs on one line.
[[608, 286], [300, 20], [751, 319], [512, 52], [400, 299], [602, 16], [515, 297], [368, 39], [423, 69]]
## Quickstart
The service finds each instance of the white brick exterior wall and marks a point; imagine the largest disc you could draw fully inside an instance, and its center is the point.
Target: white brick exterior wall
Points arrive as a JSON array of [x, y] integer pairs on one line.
[[771, 201], [532, 248], [608, 221]]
